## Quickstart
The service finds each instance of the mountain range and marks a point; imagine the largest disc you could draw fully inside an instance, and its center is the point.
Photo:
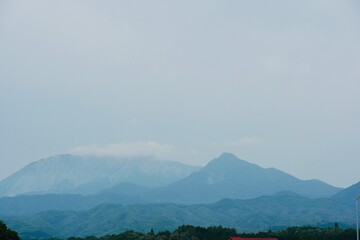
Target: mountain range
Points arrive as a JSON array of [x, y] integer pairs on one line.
[[160, 181], [229, 177], [224, 177], [89, 174], [263, 213], [227, 191]]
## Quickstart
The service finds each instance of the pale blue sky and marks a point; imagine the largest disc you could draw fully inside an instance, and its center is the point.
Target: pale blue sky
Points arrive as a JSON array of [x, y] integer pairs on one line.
[[275, 82]]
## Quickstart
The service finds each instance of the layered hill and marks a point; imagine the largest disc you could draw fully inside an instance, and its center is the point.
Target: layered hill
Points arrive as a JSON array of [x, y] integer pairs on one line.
[[348, 195], [30, 204], [224, 177], [228, 191], [90, 174], [245, 215]]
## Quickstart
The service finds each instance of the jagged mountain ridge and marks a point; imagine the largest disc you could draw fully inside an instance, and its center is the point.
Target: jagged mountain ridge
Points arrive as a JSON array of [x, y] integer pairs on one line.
[[89, 174]]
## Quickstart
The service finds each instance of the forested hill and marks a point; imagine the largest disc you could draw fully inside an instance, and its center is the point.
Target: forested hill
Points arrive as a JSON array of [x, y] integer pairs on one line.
[[245, 215]]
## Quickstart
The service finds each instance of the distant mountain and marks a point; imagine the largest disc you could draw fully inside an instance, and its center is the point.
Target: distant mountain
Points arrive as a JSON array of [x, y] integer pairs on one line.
[[245, 215], [90, 174], [273, 198], [224, 177], [122, 193], [229, 177], [30, 204], [348, 195]]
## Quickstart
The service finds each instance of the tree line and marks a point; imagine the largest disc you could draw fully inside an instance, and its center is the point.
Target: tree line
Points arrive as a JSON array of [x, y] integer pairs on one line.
[[6, 233], [189, 232]]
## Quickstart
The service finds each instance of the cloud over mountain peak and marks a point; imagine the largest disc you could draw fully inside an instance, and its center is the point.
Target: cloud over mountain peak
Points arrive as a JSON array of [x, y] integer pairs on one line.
[[130, 149]]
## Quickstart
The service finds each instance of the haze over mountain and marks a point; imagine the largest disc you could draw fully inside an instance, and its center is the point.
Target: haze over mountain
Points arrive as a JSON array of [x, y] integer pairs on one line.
[[230, 177], [277, 211], [228, 191], [30, 204], [348, 195], [224, 177], [276, 82], [89, 174]]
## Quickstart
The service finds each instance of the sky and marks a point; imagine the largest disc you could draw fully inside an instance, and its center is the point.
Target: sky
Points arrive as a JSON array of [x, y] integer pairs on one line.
[[274, 82]]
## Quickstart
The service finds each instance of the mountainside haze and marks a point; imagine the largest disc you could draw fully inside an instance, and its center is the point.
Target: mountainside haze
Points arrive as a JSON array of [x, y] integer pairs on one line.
[[224, 177], [348, 195], [227, 191], [89, 174], [277, 211], [230, 177]]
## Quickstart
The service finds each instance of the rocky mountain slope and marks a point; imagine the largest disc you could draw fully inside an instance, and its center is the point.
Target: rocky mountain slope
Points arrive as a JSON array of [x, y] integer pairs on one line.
[[89, 174]]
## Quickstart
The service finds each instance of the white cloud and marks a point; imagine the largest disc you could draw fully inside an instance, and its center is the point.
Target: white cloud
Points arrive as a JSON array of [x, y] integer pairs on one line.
[[245, 141], [130, 149]]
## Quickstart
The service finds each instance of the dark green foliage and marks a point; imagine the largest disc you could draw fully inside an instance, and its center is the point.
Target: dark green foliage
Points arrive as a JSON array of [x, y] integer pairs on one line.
[[7, 234], [128, 235], [307, 233], [185, 232], [202, 233], [189, 232]]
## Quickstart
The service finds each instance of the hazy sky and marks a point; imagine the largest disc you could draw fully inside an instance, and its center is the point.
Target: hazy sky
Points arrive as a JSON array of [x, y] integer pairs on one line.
[[275, 82]]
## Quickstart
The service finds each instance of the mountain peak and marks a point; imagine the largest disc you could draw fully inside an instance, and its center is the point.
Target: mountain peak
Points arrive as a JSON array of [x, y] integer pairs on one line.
[[227, 155], [230, 160], [227, 176]]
